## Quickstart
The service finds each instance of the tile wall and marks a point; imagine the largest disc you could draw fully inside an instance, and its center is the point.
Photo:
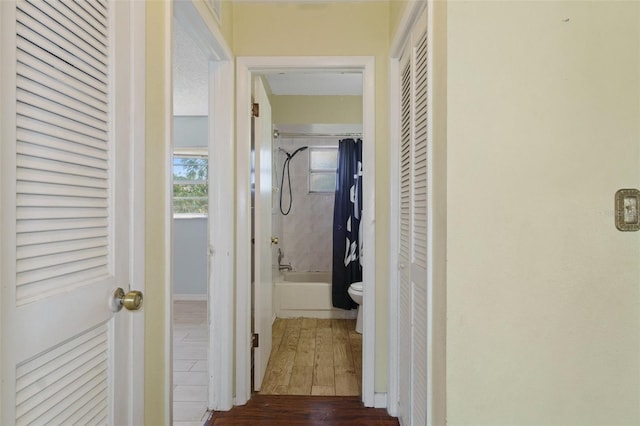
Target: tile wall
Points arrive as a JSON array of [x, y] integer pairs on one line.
[[306, 232]]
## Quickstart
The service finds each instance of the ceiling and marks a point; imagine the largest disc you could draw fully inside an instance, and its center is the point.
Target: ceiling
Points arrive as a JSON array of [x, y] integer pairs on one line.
[[315, 83], [190, 78], [190, 75]]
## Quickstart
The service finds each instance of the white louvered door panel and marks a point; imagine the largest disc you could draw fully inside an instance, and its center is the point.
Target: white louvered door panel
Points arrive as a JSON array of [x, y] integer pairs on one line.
[[419, 234], [413, 257], [65, 211], [405, 301]]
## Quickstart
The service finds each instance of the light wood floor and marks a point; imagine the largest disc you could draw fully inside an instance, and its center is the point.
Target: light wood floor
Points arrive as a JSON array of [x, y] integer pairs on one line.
[[314, 357]]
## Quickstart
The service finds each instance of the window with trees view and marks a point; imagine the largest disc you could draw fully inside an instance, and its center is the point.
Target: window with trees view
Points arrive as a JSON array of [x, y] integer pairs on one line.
[[190, 187]]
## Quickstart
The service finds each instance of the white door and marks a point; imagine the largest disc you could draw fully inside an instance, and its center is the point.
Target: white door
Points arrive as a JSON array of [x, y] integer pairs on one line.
[[413, 301], [404, 257], [263, 255], [65, 212]]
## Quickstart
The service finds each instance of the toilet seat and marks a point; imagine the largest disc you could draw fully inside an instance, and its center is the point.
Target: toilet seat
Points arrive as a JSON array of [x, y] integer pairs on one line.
[[357, 286]]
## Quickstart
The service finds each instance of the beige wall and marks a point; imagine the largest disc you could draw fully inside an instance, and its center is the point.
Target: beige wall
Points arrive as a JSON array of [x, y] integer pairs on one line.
[[226, 21], [396, 10], [439, 196], [156, 130], [316, 109], [349, 28], [542, 291], [158, 16]]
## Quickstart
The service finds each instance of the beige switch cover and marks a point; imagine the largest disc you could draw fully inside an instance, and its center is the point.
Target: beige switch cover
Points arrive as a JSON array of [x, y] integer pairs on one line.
[[627, 206]]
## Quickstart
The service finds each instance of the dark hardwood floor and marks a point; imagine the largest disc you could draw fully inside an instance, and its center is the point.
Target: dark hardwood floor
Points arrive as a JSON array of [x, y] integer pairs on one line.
[[279, 410]]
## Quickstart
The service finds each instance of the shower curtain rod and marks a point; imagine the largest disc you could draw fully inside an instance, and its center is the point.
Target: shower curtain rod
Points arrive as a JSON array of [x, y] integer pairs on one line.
[[311, 134]]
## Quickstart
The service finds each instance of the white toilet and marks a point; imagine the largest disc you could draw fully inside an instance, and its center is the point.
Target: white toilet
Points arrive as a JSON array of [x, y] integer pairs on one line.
[[355, 291]]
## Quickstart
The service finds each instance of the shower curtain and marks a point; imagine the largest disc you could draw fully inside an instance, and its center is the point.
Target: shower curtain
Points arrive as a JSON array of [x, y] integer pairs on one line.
[[347, 265]]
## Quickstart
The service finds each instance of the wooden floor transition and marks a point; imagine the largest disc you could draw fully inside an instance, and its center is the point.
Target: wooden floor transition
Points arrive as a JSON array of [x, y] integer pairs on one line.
[[279, 410], [314, 357]]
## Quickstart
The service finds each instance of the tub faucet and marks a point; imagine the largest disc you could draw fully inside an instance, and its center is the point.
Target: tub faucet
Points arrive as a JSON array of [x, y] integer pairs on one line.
[[282, 267]]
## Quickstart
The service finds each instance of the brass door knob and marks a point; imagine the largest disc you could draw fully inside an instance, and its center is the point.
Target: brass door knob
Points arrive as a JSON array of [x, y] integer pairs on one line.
[[132, 300], [274, 240]]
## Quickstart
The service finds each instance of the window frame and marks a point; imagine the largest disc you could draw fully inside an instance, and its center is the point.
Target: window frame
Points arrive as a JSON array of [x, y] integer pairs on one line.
[[189, 153], [311, 171]]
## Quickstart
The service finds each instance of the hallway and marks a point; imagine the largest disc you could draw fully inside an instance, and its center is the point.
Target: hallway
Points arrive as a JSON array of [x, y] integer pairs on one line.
[[314, 357], [272, 410]]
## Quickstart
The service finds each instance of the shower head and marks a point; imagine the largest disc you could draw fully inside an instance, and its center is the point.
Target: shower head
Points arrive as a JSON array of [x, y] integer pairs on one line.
[[290, 156], [276, 134]]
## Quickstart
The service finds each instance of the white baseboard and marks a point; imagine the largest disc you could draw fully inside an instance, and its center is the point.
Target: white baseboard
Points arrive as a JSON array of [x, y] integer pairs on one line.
[[189, 297], [319, 313], [380, 400]]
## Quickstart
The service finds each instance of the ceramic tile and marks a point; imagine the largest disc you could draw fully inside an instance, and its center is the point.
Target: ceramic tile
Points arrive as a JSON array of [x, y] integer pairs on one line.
[[190, 378], [188, 393], [200, 365], [191, 352], [197, 335], [183, 364], [190, 348]]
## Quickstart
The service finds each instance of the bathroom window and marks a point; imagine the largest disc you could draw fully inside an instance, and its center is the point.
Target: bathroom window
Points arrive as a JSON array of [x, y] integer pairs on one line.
[[323, 163], [190, 185]]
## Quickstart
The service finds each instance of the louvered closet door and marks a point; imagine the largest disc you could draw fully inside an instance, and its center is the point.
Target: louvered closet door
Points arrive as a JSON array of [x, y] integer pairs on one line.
[[413, 292], [65, 213], [405, 292], [419, 234]]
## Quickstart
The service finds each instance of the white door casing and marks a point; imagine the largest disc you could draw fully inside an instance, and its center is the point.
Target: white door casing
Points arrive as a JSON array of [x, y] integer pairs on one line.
[[263, 251], [69, 93], [199, 22], [413, 225], [245, 66]]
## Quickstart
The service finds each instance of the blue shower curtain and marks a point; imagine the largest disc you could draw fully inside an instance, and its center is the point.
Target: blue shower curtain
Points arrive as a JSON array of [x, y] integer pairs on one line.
[[347, 265]]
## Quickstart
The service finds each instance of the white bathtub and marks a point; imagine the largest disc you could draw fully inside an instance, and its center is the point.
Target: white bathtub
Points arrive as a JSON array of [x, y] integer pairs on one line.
[[306, 294]]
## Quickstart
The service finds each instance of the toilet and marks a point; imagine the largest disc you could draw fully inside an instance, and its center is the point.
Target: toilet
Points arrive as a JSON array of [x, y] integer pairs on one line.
[[355, 291]]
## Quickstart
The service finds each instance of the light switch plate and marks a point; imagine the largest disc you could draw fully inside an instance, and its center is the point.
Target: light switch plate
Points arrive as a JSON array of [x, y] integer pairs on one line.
[[628, 210]]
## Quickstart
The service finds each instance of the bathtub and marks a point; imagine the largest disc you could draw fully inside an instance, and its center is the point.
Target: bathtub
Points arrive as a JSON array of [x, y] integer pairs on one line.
[[306, 294]]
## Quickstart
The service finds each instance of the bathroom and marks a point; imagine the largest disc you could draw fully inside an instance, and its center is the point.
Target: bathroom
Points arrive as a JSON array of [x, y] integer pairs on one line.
[[310, 114]]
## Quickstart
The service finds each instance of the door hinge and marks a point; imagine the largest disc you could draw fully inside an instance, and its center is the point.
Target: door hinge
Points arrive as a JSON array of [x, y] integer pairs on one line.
[[255, 109], [255, 340]]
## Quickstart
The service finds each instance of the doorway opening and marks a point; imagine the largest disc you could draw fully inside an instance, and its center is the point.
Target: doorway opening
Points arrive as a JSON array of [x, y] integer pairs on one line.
[[273, 292], [190, 165], [202, 220]]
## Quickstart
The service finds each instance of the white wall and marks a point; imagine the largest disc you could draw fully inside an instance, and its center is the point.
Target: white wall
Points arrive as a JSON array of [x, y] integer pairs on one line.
[[190, 234], [543, 312], [190, 256], [190, 131]]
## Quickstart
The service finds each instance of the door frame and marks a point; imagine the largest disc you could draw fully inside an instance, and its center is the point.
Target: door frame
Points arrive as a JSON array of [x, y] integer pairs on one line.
[[436, 212], [199, 22], [245, 67], [138, 191]]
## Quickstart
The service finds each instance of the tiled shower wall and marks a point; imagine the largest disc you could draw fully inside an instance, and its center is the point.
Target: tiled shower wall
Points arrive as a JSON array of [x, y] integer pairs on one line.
[[307, 231]]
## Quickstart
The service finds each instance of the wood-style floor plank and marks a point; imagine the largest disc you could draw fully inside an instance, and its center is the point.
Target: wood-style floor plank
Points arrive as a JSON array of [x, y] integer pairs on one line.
[[277, 331], [280, 364], [271, 410], [355, 339], [314, 357], [323, 371], [345, 374], [301, 380]]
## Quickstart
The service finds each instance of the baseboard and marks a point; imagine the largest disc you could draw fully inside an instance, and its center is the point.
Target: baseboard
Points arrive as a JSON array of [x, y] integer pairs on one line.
[[380, 400], [319, 313], [190, 297]]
